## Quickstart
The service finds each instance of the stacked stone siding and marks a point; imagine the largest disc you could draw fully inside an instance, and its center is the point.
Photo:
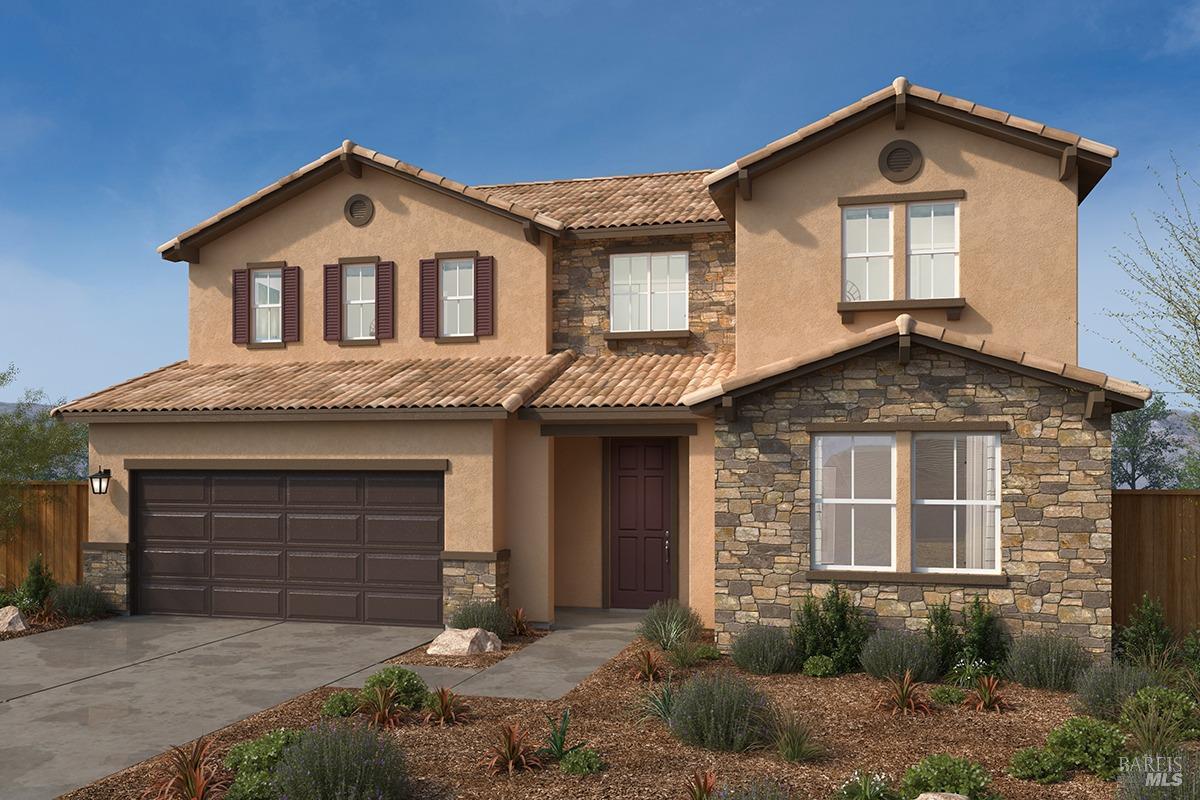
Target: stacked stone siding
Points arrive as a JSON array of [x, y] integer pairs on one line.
[[1056, 530], [465, 580], [581, 296], [106, 567]]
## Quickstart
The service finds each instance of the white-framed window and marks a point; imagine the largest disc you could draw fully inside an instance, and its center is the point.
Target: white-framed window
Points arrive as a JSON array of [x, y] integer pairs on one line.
[[866, 253], [457, 278], [267, 296], [932, 250], [854, 501], [649, 292], [359, 301], [956, 502]]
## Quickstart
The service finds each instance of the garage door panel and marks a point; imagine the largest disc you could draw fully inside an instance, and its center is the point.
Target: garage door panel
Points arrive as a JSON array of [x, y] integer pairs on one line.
[[245, 601], [250, 489], [338, 529], [174, 488], [324, 490], [330, 606], [246, 527], [267, 565], [179, 525], [325, 567], [403, 489], [406, 568], [401, 609], [167, 598], [404, 530], [174, 562]]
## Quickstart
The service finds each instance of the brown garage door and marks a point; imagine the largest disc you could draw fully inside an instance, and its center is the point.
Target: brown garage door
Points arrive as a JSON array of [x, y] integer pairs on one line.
[[330, 546]]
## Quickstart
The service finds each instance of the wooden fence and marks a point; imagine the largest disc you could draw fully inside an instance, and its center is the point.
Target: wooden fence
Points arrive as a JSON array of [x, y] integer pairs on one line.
[[1156, 551], [55, 525]]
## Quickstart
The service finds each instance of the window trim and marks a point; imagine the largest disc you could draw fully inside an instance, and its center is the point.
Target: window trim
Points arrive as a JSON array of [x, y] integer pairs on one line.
[[347, 302], [914, 501], [254, 305], [817, 501], [910, 252], [686, 291], [473, 257], [868, 254]]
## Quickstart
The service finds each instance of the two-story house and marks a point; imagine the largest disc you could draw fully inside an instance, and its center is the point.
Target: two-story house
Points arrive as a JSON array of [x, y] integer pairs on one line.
[[847, 356]]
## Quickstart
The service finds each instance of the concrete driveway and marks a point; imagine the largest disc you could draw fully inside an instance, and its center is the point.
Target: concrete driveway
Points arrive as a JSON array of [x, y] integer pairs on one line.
[[83, 702]]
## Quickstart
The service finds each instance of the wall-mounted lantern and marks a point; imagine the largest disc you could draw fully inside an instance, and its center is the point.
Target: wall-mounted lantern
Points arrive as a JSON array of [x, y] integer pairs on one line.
[[100, 481]]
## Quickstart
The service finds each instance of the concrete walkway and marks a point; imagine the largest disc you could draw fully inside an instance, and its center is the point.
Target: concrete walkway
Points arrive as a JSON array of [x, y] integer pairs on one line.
[[83, 702]]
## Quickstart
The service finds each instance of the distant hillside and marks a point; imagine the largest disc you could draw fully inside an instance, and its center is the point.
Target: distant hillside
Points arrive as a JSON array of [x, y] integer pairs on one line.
[[7, 407]]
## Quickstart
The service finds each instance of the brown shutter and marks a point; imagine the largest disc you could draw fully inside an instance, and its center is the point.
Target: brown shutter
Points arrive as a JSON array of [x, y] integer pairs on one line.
[[385, 293], [429, 298], [333, 302], [241, 306], [291, 304], [485, 294]]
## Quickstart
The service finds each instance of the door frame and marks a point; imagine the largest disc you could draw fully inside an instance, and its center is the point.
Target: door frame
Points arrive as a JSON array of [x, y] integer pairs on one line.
[[606, 495]]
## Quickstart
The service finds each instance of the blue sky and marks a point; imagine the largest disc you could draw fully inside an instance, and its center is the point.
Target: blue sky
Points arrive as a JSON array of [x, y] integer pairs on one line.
[[124, 123]]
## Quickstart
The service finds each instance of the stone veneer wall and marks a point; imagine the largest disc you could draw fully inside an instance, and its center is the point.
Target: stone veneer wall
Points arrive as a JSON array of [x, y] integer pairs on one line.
[[581, 296], [467, 579], [1056, 528], [106, 567]]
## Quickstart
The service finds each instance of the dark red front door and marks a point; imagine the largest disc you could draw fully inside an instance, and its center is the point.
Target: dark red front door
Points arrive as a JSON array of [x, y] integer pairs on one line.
[[640, 566]]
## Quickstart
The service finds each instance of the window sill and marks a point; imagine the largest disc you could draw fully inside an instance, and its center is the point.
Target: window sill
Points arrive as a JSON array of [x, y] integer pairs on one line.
[[358, 342], [619, 335], [880, 576], [952, 305], [265, 345], [456, 340]]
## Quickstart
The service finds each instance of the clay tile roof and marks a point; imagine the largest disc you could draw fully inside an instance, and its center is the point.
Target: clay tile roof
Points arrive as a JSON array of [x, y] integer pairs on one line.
[[905, 324], [655, 199], [497, 382], [647, 380], [899, 86]]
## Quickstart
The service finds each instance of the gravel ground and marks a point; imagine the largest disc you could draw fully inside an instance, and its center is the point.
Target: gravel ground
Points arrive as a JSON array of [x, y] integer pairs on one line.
[[645, 762]]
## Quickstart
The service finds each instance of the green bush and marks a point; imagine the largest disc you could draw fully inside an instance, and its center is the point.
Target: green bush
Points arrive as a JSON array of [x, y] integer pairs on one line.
[[581, 761], [819, 667], [758, 790], [1141, 776], [1046, 661], [864, 785], [1090, 744], [983, 637], [669, 622], [1146, 636], [833, 627], [763, 650], [80, 602], [690, 653], [489, 616], [658, 703], [721, 711], [889, 654], [968, 671], [410, 689], [342, 761], [1037, 764], [340, 704], [945, 773], [1172, 703], [252, 764], [1152, 730], [38, 583], [1104, 688], [795, 739], [15, 597], [947, 695], [944, 637]]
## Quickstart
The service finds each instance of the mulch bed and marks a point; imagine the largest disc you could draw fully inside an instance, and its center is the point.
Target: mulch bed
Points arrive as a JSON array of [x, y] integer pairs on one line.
[[644, 761], [477, 661], [40, 623]]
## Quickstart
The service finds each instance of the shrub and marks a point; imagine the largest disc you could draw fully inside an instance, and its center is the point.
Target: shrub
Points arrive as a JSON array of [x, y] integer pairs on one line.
[[866, 786], [944, 637], [340, 704], [79, 602], [1104, 688], [252, 764], [191, 774], [381, 706], [489, 616], [904, 696], [947, 695], [658, 703], [349, 762], [510, 751], [819, 667], [409, 688], [889, 654], [968, 671], [721, 711], [702, 785], [833, 627], [758, 790], [986, 696], [1141, 775], [763, 650], [668, 622], [1152, 730], [1090, 744], [795, 739], [520, 624], [1171, 704], [945, 773], [1146, 635], [583, 761], [1189, 651], [983, 638], [38, 583], [1046, 661], [446, 708], [556, 740], [648, 666], [1037, 764], [690, 653]]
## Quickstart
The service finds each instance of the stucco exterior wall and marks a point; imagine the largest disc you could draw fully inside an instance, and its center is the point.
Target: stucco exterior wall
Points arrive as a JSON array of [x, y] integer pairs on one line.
[[530, 519], [1017, 243], [579, 521], [697, 516], [411, 222]]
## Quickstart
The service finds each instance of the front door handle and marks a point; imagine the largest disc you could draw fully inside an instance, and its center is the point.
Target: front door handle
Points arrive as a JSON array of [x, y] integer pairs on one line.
[[667, 545]]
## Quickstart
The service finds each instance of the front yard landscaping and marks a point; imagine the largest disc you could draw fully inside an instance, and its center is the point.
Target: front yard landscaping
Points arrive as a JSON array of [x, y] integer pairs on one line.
[[39, 604]]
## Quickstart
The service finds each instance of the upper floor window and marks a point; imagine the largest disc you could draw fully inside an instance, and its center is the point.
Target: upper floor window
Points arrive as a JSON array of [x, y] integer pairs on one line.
[[358, 293], [956, 501], [457, 278], [649, 292], [267, 299], [867, 253], [854, 500], [933, 250]]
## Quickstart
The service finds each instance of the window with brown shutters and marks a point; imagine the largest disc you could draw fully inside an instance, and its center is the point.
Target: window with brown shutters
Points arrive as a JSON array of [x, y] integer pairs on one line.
[[291, 304], [485, 292], [241, 306], [429, 298], [333, 302], [385, 294]]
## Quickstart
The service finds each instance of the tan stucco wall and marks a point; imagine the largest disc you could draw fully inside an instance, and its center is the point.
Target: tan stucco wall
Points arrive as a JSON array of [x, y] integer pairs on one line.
[[1017, 243], [696, 493], [578, 522], [530, 519], [411, 222]]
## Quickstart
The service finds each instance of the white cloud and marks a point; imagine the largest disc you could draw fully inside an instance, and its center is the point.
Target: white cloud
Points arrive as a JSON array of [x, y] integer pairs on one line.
[[1184, 31]]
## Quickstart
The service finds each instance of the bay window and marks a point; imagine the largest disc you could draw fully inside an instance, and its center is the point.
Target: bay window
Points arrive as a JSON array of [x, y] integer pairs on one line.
[[649, 292], [956, 502], [866, 253], [933, 250], [854, 501]]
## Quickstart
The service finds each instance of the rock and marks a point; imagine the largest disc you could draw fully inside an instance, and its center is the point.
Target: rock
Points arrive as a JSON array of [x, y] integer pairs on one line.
[[942, 796], [12, 621], [459, 642]]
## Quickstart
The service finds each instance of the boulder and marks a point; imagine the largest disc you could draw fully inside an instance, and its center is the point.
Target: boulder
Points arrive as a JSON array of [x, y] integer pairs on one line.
[[460, 642], [12, 621]]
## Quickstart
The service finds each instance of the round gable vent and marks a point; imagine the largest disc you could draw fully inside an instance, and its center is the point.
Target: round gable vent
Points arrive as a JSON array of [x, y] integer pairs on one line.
[[359, 210], [900, 161]]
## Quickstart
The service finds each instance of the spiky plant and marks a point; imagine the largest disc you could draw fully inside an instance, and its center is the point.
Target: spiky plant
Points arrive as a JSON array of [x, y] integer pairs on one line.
[[510, 751], [446, 708], [649, 666], [702, 785], [382, 706], [556, 741], [192, 775], [520, 623], [986, 696], [904, 695], [658, 703]]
